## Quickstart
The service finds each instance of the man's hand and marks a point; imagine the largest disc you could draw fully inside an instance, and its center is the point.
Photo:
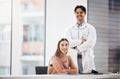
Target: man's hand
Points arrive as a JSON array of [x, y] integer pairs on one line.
[[74, 47], [83, 40]]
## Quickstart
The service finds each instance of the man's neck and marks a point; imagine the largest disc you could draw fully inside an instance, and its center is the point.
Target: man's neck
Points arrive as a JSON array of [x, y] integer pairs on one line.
[[80, 22]]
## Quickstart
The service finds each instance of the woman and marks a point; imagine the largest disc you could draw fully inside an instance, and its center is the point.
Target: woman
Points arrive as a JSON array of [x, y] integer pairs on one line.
[[61, 63]]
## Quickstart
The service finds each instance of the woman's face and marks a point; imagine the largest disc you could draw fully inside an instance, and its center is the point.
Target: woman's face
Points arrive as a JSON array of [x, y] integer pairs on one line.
[[80, 15], [64, 47]]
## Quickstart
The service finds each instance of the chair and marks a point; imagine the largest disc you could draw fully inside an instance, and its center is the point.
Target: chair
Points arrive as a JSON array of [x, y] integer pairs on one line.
[[41, 70]]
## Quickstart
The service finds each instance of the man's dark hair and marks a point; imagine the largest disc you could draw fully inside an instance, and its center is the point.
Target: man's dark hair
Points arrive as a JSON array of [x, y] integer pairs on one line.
[[81, 7]]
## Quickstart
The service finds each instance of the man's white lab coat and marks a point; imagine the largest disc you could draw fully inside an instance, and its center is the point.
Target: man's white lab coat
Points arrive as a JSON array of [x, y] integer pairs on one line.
[[75, 36]]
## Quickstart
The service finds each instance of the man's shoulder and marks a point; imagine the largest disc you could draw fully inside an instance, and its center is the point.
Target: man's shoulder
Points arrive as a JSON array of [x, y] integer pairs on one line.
[[90, 26], [71, 27]]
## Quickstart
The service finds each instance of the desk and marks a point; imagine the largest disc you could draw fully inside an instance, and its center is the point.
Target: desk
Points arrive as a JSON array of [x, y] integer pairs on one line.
[[104, 76]]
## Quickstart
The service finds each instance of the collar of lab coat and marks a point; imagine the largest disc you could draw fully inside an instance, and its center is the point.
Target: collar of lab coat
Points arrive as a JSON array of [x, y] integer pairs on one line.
[[83, 25]]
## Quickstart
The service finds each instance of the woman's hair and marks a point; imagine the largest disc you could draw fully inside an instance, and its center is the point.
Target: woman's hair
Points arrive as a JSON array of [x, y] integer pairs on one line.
[[81, 7], [58, 51]]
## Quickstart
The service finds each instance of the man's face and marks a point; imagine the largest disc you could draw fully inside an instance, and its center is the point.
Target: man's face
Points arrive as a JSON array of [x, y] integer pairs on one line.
[[80, 14]]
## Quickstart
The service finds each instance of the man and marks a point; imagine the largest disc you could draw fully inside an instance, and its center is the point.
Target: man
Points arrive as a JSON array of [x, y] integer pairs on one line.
[[82, 38]]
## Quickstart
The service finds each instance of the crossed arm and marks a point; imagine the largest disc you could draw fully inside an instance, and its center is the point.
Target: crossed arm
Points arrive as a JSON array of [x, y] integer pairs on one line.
[[83, 44], [83, 40]]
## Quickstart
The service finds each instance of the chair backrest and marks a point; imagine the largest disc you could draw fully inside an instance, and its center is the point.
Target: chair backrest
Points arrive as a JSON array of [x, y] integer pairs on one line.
[[41, 70]]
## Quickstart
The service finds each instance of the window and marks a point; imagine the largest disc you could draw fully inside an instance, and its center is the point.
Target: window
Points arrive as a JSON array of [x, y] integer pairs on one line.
[[32, 23], [27, 36]]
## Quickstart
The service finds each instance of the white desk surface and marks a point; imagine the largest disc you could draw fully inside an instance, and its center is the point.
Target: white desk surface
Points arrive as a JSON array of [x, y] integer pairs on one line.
[[104, 76]]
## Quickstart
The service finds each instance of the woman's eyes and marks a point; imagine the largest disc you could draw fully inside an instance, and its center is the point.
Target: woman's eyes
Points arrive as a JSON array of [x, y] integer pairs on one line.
[[64, 44]]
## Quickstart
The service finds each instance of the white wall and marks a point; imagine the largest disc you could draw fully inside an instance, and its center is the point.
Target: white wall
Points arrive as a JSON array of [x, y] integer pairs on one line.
[[16, 39], [5, 26], [59, 16], [5, 11]]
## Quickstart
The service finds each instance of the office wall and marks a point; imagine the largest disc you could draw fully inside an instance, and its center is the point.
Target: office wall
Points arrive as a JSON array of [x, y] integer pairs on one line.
[[59, 16]]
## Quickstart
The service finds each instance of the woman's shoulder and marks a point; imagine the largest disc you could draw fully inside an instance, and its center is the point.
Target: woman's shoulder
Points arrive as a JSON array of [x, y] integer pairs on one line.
[[53, 57]]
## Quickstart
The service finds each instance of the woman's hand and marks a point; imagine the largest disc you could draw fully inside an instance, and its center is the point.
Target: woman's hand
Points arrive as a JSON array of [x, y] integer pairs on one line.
[[71, 71]]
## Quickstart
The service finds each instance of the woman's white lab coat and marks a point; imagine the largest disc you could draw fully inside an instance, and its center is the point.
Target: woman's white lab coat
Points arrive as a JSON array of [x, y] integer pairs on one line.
[[75, 36]]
